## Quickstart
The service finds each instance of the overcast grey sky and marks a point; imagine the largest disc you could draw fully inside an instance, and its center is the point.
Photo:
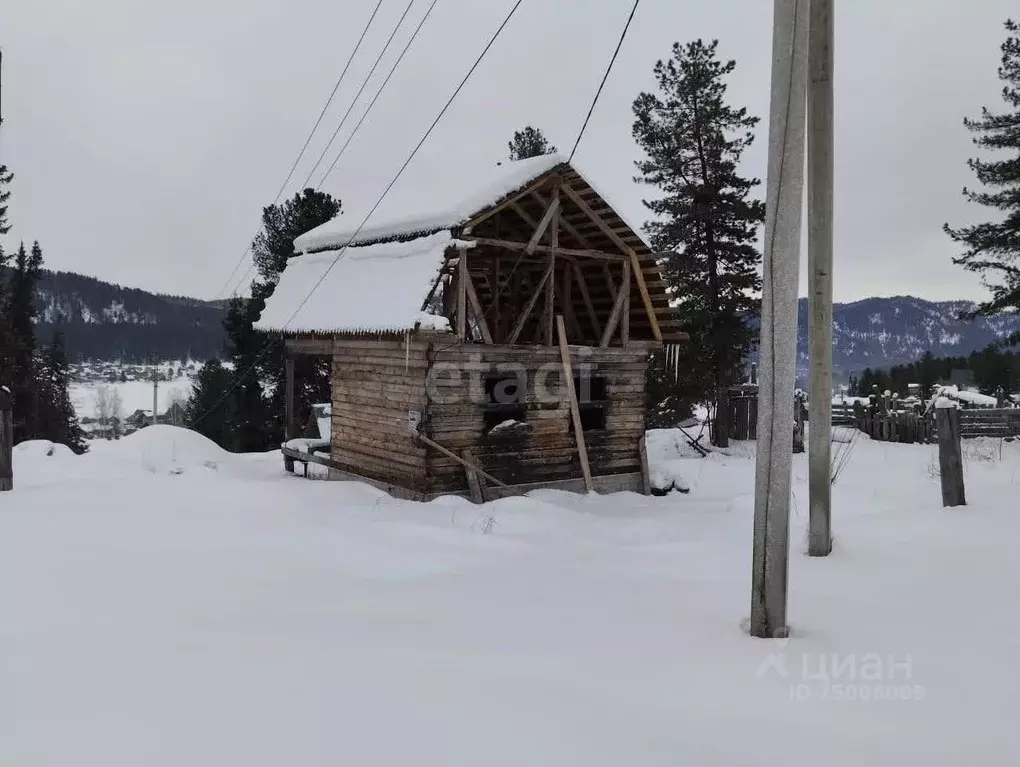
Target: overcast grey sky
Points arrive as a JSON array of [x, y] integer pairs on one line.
[[146, 136]]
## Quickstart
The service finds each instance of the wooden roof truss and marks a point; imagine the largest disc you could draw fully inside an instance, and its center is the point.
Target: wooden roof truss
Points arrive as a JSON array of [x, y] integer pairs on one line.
[[554, 247]]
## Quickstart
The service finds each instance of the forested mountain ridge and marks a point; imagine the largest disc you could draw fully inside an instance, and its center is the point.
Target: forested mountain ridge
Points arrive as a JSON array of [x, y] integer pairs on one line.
[[883, 332], [105, 321]]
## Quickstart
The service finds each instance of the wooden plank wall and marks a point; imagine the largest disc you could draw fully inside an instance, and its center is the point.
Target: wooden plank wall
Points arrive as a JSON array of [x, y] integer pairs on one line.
[[544, 449], [375, 384]]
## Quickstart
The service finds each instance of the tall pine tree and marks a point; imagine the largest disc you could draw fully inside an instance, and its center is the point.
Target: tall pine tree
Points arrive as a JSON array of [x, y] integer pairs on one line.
[[992, 249], [529, 142], [207, 412], [6, 177], [704, 215], [281, 225], [256, 419], [38, 380], [20, 316], [58, 421]]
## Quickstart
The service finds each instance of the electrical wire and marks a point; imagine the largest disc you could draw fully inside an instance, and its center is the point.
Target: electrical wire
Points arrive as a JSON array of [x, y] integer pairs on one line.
[[363, 117], [386, 191], [580, 134], [605, 77], [378, 93], [304, 148], [357, 96]]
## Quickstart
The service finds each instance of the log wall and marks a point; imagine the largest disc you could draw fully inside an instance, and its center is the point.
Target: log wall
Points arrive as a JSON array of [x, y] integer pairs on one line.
[[544, 448], [376, 382]]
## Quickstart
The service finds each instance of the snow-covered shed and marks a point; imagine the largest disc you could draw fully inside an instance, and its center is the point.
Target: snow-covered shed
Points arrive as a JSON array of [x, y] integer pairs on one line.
[[443, 330]]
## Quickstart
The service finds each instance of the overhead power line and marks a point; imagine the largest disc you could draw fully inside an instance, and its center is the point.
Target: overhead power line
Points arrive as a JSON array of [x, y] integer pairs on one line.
[[605, 77], [350, 138], [378, 202], [378, 93], [304, 148], [357, 95]]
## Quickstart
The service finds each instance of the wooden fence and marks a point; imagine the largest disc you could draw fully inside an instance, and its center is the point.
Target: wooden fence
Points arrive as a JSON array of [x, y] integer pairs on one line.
[[909, 426], [743, 405], [885, 419]]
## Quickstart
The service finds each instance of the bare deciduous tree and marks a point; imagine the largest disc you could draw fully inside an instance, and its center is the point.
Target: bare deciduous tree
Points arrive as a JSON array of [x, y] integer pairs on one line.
[[103, 406]]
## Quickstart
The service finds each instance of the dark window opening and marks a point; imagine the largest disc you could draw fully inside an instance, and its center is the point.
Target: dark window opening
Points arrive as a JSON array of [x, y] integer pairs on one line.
[[590, 389], [504, 399], [592, 400]]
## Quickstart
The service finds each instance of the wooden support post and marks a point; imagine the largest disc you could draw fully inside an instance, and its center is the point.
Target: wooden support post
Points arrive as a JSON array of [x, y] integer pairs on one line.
[[497, 324], [289, 427], [646, 477], [820, 178], [476, 308], [575, 413], [6, 440], [462, 279], [625, 319], [550, 286], [567, 226], [474, 486], [783, 208], [567, 299], [609, 280], [614, 316], [550, 214], [950, 455]]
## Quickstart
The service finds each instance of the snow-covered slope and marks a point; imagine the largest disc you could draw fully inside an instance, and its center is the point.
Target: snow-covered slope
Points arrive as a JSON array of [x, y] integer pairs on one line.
[[166, 603]]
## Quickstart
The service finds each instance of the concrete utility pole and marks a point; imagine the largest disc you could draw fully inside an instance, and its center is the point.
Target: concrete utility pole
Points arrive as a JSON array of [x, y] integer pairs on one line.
[[155, 392], [820, 175], [776, 376]]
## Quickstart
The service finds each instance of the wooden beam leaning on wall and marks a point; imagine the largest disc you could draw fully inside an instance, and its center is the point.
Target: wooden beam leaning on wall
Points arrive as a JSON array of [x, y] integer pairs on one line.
[[575, 412], [462, 279], [635, 263], [554, 243]]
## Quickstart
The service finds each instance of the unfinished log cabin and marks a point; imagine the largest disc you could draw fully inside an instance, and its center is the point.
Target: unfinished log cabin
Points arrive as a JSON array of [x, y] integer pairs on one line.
[[496, 345]]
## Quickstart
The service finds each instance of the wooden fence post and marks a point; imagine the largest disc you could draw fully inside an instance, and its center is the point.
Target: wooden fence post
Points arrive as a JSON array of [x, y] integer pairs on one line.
[[798, 429], [290, 432], [6, 440], [950, 454]]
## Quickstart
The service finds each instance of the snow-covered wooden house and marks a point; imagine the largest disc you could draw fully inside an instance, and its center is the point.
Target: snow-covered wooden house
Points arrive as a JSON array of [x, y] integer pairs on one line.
[[444, 334]]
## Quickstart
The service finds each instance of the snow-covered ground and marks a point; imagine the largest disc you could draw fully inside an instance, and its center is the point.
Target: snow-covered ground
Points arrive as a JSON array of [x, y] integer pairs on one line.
[[205, 609], [135, 392]]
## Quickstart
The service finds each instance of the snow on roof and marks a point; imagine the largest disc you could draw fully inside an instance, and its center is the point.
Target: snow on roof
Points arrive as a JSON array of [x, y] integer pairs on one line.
[[427, 200], [370, 288]]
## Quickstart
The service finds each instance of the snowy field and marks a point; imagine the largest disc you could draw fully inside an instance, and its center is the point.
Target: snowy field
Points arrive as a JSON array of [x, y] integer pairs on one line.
[[205, 609], [134, 395]]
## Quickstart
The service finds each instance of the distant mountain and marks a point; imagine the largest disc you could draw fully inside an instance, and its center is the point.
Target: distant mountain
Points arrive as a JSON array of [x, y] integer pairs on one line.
[[881, 332], [103, 321]]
